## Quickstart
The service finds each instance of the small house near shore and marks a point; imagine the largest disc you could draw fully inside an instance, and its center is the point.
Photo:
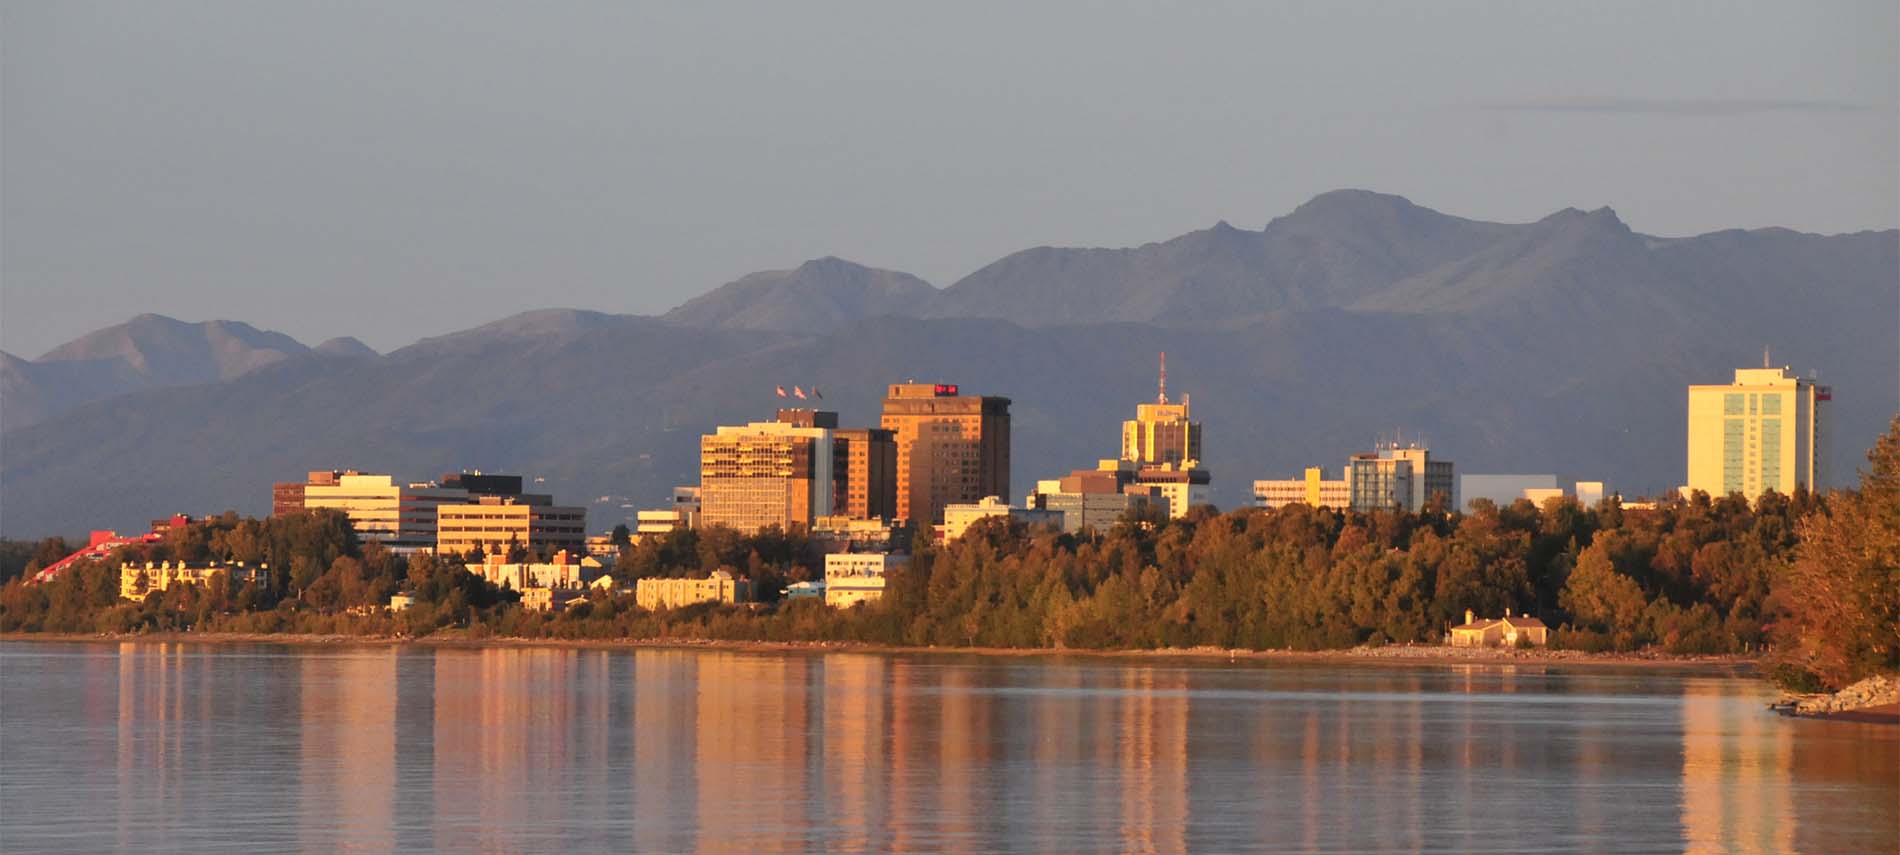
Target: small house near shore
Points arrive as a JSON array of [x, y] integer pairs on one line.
[[1507, 631]]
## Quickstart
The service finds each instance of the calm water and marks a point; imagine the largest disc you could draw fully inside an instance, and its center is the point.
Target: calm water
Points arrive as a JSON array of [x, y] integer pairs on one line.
[[221, 748]]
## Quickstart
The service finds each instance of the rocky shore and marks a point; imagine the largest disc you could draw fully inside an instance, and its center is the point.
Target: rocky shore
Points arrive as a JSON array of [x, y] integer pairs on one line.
[[1878, 697]]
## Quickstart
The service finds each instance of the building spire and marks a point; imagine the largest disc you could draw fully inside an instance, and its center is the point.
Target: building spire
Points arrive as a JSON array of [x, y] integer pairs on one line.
[[1162, 396]]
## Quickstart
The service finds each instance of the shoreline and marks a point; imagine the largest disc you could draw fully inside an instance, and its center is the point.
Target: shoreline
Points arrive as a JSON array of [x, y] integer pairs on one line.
[[1727, 665]]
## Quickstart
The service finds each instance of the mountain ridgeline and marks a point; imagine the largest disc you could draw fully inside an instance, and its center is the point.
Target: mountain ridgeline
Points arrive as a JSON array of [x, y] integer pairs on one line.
[[1562, 345]]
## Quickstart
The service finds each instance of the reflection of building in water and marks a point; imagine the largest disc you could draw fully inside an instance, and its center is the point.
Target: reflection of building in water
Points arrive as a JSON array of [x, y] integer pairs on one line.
[[1735, 766], [1063, 793], [503, 721], [963, 757], [663, 684], [751, 753], [909, 737], [1153, 760], [854, 726], [348, 760]]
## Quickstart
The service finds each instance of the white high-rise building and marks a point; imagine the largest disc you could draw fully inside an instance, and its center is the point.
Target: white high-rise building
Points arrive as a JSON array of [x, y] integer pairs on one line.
[[1759, 433]]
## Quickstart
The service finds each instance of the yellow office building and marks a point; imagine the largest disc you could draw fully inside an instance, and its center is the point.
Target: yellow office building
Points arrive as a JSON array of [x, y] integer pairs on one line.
[[1759, 433], [1162, 433]]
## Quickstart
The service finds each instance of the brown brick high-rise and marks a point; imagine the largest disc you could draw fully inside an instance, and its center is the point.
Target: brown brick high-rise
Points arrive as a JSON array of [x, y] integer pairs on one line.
[[950, 448], [867, 486]]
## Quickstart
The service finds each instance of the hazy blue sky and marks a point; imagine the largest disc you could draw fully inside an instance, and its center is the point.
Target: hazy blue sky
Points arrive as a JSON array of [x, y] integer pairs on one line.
[[397, 169]]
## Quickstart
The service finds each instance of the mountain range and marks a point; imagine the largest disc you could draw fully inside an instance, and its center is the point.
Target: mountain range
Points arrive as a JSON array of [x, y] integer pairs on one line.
[[1561, 345]]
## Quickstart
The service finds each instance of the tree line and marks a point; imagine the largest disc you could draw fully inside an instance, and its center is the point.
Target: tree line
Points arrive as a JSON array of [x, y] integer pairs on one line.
[[1812, 579]]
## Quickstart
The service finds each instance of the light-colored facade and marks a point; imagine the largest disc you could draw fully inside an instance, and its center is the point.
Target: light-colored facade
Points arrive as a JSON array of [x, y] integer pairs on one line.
[[951, 448], [1502, 489], [958, 518], [603, 546], [839, 533], [401, 516], [852, 578], [1162, 447], [681, 512], [765, 474], [1539, 495], [1589, 493], [1312, 489], [560, 571], [1507, 631], [504, 521], [720, 587], [550, 599], [1399, 477], [137, 581], [1161, 433], [1762, 432], [1098, 498]]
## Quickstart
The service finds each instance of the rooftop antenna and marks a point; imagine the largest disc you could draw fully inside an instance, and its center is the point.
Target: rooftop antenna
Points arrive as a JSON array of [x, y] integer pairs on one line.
[[1764, 356], [1162, 396]]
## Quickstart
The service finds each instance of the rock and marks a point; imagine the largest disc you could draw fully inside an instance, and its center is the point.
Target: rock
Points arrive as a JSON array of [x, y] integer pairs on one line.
[[1871, 692]]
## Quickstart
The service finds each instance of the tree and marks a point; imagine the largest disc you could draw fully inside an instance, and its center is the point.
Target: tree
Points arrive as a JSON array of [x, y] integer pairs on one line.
[[1841, 596], [1602, 600]]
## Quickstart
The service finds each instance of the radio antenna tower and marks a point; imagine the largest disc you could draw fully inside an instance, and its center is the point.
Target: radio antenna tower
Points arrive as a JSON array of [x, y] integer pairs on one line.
[[1162, 396]]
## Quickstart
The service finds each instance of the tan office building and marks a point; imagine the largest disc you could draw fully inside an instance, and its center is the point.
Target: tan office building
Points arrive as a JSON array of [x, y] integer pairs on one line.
[[1759, 433], [951, 448], [500, 521], [765, 474], [401, 516], [1162, 433]]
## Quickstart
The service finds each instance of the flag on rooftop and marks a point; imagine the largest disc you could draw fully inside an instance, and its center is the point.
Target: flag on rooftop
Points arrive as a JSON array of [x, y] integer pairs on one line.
[[781, 391], [798, 392]]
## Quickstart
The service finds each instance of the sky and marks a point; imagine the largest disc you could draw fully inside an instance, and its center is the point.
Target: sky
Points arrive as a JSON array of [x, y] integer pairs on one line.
[[399, 170]]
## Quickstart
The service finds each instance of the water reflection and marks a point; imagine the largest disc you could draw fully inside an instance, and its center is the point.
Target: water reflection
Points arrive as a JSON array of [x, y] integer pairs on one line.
[[240, 749]]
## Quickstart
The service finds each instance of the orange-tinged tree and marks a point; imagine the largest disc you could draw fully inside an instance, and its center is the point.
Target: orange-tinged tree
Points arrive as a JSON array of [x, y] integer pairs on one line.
[[1841, 596]]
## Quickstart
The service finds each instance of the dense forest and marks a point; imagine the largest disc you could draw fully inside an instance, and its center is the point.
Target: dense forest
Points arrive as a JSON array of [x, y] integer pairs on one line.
[[1815, 580]]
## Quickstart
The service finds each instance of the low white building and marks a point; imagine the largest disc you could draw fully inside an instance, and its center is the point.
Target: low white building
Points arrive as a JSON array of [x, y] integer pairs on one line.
[[560, 571], [959, 517], [852, 578]]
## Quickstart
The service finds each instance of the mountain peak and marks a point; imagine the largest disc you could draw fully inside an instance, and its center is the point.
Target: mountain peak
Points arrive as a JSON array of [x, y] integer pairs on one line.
[[1350, 201], [1603, 219], [817, 296], [344, 345], [830, 262]]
